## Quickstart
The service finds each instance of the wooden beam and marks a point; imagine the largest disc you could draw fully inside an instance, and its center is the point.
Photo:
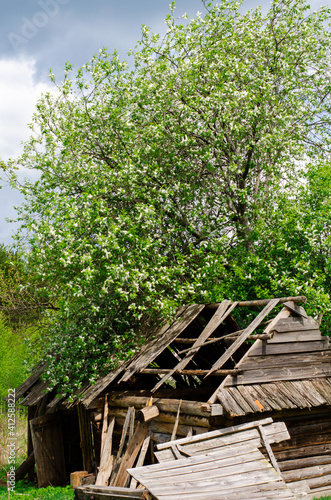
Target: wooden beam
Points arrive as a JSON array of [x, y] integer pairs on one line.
[[166, 371], [262, 302], [223, 310], [246, 333]]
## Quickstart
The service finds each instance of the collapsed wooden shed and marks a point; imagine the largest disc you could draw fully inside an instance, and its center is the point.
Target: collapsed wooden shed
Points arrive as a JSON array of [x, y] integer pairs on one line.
[[207, 370]]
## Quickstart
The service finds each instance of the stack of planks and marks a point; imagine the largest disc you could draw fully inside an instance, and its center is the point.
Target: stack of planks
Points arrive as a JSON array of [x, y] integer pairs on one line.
[[220, 464]]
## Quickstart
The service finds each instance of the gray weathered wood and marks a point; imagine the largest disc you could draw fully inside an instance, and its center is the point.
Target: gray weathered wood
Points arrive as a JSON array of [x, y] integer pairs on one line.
[[280, 374], [212, 475], [286, 359], [222, 312], [108, 493], [268, 349], [241, 339], [296, 309], [161, 341], [295, 324], [301, 336], [106, 460]]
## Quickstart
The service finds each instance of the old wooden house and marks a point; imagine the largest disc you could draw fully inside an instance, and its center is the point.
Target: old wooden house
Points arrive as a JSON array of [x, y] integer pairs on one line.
[[213, 367]]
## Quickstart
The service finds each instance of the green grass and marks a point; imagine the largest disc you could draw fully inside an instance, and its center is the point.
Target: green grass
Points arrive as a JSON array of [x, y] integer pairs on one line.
[[28, 491]]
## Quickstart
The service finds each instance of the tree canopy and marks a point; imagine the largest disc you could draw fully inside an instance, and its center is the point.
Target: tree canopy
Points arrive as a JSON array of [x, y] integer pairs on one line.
[[190, 176]]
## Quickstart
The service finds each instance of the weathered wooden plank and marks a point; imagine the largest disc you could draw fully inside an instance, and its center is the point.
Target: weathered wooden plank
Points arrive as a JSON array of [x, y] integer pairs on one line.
[[241, 401], [124, 431], [106, 460], [241, 339], [281, 374], [230, 403], [217, 480], [269, 349], [222, 312], [219, 433], [109, 493], [141, 458], [300, 336], [32, 379], [276, 432], [306, 470], [131, 453], [294, 308], [36, 394], [286, 359], [323, 388], [295, 324], [149, 352], [104, 424]]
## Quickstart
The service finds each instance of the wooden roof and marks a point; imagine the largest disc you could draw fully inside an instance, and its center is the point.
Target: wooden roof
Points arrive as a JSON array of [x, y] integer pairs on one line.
[[204, 347], [290, 370]]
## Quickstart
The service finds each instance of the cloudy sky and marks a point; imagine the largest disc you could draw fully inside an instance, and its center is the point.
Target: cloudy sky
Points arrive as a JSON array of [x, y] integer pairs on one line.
[[36, 35]]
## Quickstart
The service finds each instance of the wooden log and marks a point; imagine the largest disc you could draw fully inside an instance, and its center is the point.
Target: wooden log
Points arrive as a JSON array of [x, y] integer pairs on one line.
[[170, 405], [300, 463], [76, 477], [261, 302], [167, 417], [147, 413], [165, 371]]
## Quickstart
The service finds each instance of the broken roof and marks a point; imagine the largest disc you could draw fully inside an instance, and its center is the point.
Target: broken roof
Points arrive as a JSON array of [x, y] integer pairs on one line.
[[206, 346]]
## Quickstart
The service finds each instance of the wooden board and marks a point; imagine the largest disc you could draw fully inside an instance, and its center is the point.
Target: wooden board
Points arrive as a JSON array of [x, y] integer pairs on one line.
[[213, 475], [220, 315], [280, 374], [296, 336], [109, 493], [294, 308], [244, 434], [265, 348], [131, 453], [295, 324], [152, 349], [285, 360]]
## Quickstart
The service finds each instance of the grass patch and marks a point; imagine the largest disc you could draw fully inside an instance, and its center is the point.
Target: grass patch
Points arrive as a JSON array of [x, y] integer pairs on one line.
[[28, 491]]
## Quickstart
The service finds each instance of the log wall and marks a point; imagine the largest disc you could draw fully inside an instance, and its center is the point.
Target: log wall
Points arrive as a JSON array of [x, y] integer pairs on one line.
[[305, 459]]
